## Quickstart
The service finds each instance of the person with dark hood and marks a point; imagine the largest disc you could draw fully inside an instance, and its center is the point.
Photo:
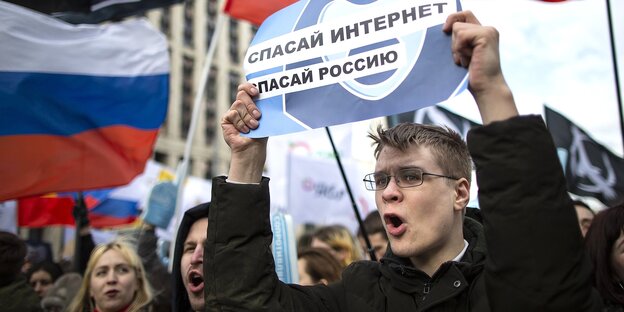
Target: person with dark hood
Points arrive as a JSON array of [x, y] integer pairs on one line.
[[188, 269], [15, 293]]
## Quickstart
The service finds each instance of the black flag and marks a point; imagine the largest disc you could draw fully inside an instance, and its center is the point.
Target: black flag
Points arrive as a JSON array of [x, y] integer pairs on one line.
[[435, 115], [590, 168], [53, 6], [93, 11]]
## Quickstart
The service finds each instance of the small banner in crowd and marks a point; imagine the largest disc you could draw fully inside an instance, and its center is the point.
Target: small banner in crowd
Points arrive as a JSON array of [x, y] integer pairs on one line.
[[590, 169], [317, 192], [284, 248], [8, 216], [320, 63]]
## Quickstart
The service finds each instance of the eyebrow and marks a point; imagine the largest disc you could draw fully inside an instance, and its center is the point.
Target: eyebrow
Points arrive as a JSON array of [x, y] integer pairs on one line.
[[114, 265], [402, 168]]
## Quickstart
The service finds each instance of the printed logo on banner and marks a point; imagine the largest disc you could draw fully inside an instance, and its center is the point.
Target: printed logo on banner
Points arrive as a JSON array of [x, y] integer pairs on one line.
[[319, 63], [323, 189]]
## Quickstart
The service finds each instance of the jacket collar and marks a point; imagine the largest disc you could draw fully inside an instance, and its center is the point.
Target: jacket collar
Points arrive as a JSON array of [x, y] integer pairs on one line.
[[452, 277]]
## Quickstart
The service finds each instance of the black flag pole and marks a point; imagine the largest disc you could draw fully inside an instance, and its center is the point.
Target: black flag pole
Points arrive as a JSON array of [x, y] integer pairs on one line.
[[615, 70], [80, 218], [371, 251]]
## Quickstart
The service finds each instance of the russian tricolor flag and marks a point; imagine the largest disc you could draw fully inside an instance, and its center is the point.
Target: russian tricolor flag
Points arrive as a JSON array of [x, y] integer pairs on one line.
[[80, 106]]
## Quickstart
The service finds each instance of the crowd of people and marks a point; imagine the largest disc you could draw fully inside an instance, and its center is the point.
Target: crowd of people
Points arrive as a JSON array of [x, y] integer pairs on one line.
[[323, 253], [529, 247]]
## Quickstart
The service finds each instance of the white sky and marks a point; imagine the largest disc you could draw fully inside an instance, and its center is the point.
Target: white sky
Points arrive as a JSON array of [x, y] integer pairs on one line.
[[559, 54]]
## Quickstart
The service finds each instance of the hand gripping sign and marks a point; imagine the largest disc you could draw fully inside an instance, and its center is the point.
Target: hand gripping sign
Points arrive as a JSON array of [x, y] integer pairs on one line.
[[318, 63]]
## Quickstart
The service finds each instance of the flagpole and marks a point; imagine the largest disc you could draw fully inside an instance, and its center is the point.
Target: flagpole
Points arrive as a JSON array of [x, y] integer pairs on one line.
[[78, 245], [182, 169], [369, 248], [615, 70]]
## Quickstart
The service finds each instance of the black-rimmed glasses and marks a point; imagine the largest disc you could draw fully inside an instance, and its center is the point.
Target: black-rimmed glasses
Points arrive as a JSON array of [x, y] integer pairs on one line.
[[406, 177]]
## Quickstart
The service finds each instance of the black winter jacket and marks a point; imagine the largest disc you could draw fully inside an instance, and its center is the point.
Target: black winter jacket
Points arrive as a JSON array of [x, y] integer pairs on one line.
[[18, 296], [535, 260]]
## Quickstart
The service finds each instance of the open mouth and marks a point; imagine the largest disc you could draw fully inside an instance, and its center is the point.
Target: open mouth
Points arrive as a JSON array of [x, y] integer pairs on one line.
[[395, 221], [394, 224], [196, 279], [112, 293]]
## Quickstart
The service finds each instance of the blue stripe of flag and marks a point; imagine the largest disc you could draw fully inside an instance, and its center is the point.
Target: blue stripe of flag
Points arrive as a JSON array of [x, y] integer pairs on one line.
[[118, 208], [62, 104]]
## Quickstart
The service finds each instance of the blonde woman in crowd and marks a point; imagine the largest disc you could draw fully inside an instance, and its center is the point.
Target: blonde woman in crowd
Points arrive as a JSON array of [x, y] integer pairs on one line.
[[339, 242], [114, 281]]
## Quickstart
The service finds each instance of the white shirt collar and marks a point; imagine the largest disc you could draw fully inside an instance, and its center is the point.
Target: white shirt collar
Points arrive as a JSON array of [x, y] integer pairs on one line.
[[461, 254]]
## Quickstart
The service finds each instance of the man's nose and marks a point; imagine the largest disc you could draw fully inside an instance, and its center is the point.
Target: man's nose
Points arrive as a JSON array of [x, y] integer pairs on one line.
[[198, 254], [392, 191]]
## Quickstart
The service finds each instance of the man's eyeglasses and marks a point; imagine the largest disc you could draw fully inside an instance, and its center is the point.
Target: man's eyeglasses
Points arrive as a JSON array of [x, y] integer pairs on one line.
[[406, 177]]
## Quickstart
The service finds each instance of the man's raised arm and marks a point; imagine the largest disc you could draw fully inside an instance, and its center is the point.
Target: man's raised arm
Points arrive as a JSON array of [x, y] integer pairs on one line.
[[535, 256], [248, 155], [476, 48]]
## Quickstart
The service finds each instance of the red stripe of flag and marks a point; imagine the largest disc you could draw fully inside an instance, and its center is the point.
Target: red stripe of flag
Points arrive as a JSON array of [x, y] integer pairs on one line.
[[99, 158], [104, 221], [254, 11], [45, 211]]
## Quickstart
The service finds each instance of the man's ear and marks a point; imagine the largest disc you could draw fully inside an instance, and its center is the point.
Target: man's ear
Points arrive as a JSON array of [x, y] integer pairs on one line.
[[462, 194]]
